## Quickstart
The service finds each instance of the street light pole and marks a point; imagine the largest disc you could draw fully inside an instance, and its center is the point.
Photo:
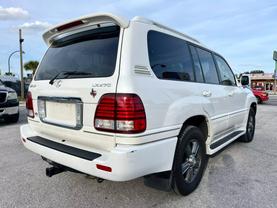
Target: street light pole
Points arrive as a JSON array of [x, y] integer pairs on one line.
[[275, 70], [21, 63], [9, 60]]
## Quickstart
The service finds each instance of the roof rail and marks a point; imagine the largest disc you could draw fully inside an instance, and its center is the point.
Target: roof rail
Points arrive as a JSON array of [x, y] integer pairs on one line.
[[148, 21], [96, 18]]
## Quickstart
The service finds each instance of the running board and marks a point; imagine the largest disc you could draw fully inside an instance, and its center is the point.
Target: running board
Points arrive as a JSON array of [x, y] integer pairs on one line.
[[224, 139]]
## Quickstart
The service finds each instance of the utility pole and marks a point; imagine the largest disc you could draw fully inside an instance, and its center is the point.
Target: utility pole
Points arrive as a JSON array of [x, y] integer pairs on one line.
[[275, 75], [21, 63], [275, 70]]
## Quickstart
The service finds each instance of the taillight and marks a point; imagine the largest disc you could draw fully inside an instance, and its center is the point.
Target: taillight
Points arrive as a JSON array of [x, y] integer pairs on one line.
[[120, 113], [29, 105]]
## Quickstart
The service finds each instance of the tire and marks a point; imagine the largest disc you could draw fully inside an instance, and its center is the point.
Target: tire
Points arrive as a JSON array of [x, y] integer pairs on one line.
[[259, 100], [250, 128], [12, 118], [189, 165]]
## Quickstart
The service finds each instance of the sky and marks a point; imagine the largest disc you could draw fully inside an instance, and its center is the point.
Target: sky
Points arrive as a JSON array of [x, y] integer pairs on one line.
[[244, 32]]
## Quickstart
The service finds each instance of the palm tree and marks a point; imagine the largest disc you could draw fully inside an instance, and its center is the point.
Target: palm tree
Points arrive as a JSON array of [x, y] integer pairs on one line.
[[31, 66]]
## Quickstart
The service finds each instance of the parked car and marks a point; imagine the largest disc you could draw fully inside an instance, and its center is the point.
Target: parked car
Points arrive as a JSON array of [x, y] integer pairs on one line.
[[260, 88], [9, 110], [261, 95], [120, 99], [15, 85]]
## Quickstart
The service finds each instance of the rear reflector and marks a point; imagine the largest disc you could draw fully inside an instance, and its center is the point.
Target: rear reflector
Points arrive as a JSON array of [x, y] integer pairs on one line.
[[104, 168], [70, 25], [120, 113], [29, 105]]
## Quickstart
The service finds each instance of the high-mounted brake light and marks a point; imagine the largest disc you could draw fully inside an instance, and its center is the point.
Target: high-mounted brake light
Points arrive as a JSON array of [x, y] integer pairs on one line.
[[120, 113], [70, 25], [29, 105]]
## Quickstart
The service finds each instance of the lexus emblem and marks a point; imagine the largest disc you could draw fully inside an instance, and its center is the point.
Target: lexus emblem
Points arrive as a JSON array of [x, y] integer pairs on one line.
[[58, 83], [93, 93]]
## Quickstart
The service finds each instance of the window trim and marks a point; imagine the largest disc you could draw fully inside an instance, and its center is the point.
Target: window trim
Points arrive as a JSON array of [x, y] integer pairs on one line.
[[204, 81]]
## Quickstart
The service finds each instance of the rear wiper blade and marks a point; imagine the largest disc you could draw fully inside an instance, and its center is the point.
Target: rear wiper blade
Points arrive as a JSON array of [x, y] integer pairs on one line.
[[67, 74], [51, 82]]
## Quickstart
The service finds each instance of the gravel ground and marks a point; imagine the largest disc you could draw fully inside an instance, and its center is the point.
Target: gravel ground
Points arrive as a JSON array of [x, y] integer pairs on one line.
[[243, 175]]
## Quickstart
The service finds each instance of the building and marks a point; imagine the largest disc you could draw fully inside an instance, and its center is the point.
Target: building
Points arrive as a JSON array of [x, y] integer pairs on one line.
[[264, 81]]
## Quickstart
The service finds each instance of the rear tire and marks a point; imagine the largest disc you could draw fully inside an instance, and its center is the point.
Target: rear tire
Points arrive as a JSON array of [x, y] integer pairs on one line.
[[190, 161], [250, 127], [12, 118]]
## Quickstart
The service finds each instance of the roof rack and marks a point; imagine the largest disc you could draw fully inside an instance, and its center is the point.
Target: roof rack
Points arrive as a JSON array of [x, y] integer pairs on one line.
[[148, 21]]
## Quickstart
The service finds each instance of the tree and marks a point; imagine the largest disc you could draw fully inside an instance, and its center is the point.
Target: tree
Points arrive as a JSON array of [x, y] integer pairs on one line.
[[9, 74], [31, 66]]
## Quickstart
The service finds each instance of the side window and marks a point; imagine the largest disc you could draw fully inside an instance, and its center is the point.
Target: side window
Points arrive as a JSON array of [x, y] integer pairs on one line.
[[208, 66], [197, 65], [169, 57], [226, 75]]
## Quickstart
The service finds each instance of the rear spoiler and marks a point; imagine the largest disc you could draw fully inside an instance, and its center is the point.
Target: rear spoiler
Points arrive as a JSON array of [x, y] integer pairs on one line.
[[83, 21]]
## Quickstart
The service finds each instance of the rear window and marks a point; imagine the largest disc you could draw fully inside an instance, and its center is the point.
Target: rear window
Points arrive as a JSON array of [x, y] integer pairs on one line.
[[169, 57], [88, 54]]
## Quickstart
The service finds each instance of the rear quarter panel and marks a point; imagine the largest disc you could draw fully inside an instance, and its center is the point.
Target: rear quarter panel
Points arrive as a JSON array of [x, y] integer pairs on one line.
[[167, 103]]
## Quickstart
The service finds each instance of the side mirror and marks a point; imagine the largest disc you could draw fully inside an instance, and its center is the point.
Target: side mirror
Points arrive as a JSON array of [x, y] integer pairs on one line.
[[245, 81]]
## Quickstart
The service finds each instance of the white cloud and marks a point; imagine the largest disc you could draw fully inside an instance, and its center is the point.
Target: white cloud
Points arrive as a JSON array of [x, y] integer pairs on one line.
[[37, 25], [13, 13]]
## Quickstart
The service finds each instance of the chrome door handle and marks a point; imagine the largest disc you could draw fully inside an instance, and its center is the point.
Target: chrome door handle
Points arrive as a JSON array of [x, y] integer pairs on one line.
[[207, 93]]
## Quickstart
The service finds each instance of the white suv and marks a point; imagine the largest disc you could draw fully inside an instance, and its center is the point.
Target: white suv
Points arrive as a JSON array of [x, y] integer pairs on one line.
[[120, 99]]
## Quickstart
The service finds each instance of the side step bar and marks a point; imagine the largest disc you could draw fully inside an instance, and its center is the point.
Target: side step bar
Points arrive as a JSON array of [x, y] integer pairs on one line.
[[224, 139]]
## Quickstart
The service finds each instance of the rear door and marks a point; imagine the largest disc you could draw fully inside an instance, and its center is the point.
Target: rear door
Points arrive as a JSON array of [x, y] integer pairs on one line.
[[236, 95], [75, 72], [214, 94]]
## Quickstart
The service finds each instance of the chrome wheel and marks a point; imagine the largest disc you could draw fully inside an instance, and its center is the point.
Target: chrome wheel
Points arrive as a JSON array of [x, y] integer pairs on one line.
[[192, 161]]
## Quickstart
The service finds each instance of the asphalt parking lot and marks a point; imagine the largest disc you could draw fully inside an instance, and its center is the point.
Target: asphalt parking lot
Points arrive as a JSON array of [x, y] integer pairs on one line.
[[243, 175]]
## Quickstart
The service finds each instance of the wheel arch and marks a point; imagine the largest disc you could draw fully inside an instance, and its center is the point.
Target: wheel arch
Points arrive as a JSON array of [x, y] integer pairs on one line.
[[200, 121], [254, 107]]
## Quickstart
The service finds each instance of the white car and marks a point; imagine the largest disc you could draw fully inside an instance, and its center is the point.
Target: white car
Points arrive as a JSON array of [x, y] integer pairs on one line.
[[119, 99]]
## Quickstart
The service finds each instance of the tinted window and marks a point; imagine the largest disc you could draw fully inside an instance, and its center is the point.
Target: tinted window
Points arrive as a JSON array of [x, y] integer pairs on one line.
[[197, 66], [208, 66], [1, 84], [169, 57], [226, 75], [88, 54]]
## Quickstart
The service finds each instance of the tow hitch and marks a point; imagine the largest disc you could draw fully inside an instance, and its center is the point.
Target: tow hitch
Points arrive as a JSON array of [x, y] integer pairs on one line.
[[54, 171]]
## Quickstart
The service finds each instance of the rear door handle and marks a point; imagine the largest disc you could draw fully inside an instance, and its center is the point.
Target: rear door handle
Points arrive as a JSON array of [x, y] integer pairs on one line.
[[207, 93]]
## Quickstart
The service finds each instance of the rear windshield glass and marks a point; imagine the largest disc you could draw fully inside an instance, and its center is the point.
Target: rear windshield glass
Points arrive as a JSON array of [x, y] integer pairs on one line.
[[88, 54]]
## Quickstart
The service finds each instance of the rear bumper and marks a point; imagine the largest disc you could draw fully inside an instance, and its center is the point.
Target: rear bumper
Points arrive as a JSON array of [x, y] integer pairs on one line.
[[127, 161]]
